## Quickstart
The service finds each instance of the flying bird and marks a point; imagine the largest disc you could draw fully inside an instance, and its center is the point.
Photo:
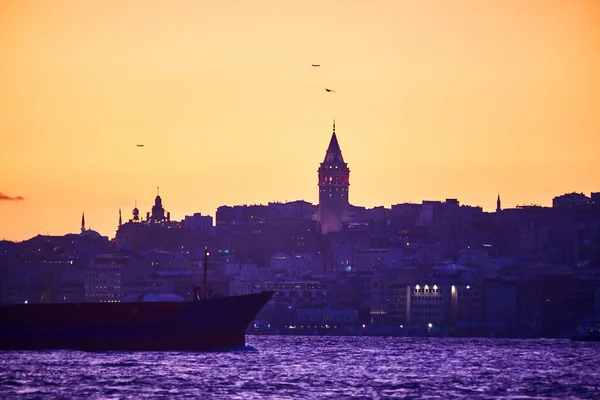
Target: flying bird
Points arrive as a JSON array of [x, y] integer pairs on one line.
[[139, 145], [330, 90], [315, 65]]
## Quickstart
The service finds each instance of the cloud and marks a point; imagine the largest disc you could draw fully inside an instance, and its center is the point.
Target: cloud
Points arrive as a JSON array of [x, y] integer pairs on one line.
[[8, 198]]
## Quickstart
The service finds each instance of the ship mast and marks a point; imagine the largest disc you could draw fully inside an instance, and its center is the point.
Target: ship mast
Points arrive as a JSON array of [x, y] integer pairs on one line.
[[206, 254]]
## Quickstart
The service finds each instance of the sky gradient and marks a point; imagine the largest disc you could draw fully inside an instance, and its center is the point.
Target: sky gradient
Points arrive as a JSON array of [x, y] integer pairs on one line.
[[434, 99]]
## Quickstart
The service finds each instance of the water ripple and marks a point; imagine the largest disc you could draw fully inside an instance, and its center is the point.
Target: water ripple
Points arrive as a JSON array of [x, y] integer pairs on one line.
[[284, 367]]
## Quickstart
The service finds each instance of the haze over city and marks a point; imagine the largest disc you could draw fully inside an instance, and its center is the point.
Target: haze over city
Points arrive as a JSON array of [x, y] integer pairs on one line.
[[430, 102]]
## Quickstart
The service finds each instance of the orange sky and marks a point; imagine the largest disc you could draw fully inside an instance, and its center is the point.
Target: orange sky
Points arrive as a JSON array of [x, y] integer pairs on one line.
[[434, 99]]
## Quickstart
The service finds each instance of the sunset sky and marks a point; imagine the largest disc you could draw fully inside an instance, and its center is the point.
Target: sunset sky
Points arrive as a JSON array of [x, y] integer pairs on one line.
[[435, 99]]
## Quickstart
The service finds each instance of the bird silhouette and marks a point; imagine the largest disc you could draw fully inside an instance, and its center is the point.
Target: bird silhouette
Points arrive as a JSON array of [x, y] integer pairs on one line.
[[139, 145], [315, 65], [330, 90]]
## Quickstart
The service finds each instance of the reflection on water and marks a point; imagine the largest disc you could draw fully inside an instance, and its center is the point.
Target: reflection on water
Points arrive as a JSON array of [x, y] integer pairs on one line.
[[316, 367]]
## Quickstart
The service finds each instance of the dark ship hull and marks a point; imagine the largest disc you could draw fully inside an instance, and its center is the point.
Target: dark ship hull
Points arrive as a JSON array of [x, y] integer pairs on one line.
[[204, 325]]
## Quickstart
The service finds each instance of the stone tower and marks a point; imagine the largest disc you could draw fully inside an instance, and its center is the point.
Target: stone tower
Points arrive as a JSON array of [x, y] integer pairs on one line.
[[334, 182], [158, 212]]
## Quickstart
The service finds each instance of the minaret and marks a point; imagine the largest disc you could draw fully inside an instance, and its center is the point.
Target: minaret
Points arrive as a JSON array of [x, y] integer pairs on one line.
[[120, 219], [82, 222], [334, 182], [498, 204]]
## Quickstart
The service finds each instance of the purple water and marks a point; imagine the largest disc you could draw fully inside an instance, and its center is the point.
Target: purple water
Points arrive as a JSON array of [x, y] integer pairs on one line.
[[309, 367]]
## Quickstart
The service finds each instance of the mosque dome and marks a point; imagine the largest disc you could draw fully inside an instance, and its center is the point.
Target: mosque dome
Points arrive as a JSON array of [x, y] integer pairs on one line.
[[90, 234]]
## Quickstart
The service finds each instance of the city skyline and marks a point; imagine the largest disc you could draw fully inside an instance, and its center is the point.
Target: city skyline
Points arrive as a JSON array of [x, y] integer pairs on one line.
[[143, 214], [480, 99]]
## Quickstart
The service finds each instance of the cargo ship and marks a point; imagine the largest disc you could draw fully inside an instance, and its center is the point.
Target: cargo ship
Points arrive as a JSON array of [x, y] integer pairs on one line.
[[204, 324]]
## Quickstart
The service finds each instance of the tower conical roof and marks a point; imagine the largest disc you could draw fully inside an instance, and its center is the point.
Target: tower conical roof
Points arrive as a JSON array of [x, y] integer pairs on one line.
[[334, 153]]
